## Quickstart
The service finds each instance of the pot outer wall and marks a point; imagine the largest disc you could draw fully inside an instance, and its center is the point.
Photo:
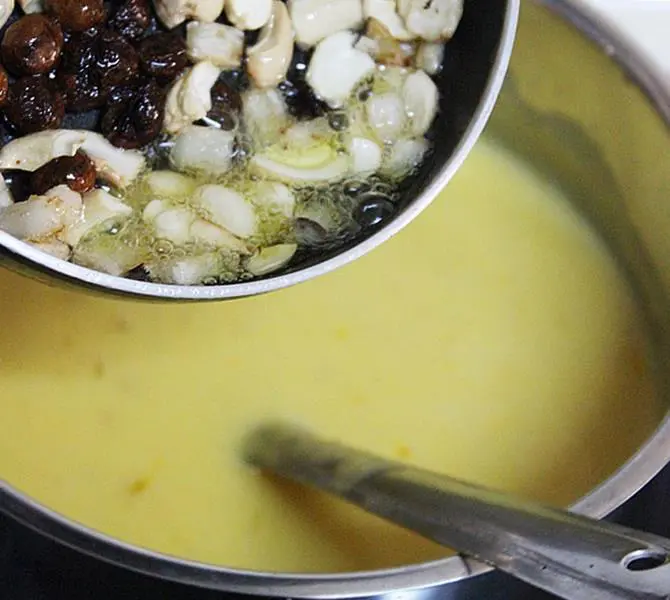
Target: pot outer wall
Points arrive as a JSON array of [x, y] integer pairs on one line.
[[35, 568]]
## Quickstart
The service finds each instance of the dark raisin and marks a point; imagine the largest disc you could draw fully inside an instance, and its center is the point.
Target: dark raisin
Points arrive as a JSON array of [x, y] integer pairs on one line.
[[131, 19], [77, 172], [82, 91], [77, 77], [93, 63], [79, 52], [122, 93], [226, 104], [32, 45], [163, 55], [33, 104], [225, 97], [136, 120], [116, 59], [77, 15]]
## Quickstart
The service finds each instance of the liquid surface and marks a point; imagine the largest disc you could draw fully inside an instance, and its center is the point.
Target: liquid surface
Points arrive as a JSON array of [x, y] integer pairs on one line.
[[492, 340]]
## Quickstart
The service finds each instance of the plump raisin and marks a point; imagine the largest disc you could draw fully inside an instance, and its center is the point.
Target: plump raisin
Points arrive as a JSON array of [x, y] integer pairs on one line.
[[77, 15], [116, 59], [33, 104], [131, 19], [82, 91], [226, 104], [77, 172], [163, 55], [32, 45], [93, 63], [78, 77], [135, 118]]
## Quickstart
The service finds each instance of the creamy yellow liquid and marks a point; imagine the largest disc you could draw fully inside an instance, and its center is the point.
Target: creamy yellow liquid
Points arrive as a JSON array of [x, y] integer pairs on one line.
[[493, 340]]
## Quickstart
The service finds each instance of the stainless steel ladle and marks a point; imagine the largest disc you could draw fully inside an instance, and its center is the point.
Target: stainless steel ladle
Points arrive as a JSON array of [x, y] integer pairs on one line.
[[471, 78], [571, 556]]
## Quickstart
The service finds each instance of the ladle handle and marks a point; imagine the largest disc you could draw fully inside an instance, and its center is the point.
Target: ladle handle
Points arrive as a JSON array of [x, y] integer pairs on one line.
[[563, 553]]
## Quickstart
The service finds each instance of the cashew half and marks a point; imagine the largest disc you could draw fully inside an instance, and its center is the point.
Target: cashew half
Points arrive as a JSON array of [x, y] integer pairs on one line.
[[270, 259], [386, 116], [6, 8], [54, 247], [434, 20], [189, 99], [29, 153], [384, 47], [429, 57], [268, 61], [204, 149], [41, 218], [226, 208], [99, 207], [114, 165], [191, 270], [181, 225], [333, 169], [421, 96], [384, 11], [248, 14], [337, 67], [175, 12], [366, 155], [32, 6], [315, 20], [219, 44], [265, 115], [404, 155]]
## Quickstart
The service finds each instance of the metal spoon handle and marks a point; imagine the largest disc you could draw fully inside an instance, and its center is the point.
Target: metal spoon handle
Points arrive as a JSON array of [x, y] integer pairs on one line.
[[566, 554]]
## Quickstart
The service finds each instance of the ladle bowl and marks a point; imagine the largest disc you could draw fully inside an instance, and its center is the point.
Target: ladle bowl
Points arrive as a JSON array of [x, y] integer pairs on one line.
[[471, 78]]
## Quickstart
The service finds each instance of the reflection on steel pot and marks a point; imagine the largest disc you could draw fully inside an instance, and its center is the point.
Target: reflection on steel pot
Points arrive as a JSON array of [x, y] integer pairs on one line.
[[584, 109]]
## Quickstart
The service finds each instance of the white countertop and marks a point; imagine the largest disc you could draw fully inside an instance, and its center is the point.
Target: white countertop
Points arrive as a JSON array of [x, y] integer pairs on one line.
[[644, 22]]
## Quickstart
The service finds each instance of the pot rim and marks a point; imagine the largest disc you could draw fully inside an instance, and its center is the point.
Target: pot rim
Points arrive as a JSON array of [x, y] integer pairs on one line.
[[27, 254], [612, 493]]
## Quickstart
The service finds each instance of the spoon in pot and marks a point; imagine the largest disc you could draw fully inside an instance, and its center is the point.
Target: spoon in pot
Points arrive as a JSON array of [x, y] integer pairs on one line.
[[569, 555]]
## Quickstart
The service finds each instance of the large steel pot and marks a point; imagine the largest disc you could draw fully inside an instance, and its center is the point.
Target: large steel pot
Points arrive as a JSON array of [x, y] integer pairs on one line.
[[583, 107]]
